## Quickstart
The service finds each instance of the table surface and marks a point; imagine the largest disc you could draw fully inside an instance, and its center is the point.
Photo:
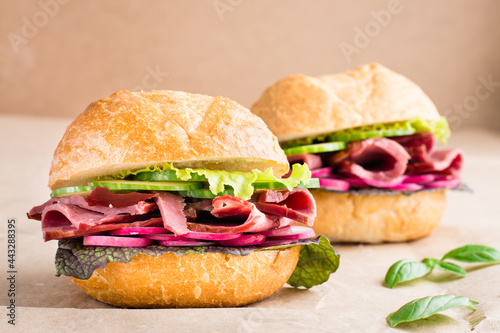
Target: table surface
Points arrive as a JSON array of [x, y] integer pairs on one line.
[[353, 300]]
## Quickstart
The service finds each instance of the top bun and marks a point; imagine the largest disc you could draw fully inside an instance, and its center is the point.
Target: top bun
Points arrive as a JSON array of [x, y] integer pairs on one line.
[[132, 130], [298, 106]]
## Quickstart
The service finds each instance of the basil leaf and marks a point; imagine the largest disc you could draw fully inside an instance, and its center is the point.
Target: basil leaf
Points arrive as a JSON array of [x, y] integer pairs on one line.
[[316, 263], [425, 307], [406, 270], [450, 268], [473, 253]]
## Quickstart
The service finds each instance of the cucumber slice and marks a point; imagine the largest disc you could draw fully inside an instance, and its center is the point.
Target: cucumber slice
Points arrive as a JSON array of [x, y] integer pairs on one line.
[[147, 186], [205, 193], [83, 190], [166, 175], [313, 183], [316, 148], [366, 132]]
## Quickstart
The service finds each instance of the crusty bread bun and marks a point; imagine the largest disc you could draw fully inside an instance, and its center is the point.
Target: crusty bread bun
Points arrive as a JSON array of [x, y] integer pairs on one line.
[[298, 106], [193, 280], [368, 218], [132, 130]]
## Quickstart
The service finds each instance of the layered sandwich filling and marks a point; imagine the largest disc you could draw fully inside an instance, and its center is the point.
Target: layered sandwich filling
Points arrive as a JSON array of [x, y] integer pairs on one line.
[[183, 204], [165, 209], [398, 156]]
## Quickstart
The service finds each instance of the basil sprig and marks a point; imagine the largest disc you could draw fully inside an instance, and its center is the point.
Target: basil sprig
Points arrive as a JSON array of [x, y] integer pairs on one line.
[[407, 270], [427, 306]]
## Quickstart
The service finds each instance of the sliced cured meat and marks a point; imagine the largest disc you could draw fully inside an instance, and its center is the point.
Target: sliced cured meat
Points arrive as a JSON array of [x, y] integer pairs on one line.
[[417, 145], [191, 209], [68, 231], [377, 159], [424, 159], [312, 161], [439, 162], [141, 207], [282, 211], [235, 215], [104, 197], [301, 201], [171, 208], [60, 214], [271, 209]]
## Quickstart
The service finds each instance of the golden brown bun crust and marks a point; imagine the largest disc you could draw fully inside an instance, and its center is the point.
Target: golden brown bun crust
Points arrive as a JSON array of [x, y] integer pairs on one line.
[[193, 280], [300, 106], [377, 218], [131, 130]]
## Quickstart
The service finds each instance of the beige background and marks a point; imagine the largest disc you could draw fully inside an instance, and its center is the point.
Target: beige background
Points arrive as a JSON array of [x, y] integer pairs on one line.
[[56, 56], [84, 50]]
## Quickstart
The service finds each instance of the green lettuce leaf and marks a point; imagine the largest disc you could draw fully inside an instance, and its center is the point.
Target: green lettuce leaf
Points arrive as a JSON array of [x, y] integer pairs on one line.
[[317, 257], [439, 127], [316, 263], [241, 182]]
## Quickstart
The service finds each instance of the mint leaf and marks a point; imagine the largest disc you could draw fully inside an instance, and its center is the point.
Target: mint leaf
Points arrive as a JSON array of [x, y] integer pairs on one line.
[[425, 307], [473, 253], [406, 270], [75, 259], [316, 263]]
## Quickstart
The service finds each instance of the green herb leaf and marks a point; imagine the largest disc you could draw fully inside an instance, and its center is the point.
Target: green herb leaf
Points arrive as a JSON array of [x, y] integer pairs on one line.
[[473, 253], [425, 307], [406, 270], [317, 257], [316, 263], [450, 268]]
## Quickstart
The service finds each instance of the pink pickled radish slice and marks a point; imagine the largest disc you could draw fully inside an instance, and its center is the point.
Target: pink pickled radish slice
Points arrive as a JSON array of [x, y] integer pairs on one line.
[[389, 184], [277, 232], [406, 187], [245, 240], [419, 179], [334, 184], [211, 236], [138, 231], [356, 182], [164, 237], [116, 241], [296, 232], [323, 172], [188, 242], [269, 243], [451, 183]]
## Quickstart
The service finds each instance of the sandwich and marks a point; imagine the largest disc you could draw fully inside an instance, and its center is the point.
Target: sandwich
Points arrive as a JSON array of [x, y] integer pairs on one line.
[[371, 137], [170, 199]]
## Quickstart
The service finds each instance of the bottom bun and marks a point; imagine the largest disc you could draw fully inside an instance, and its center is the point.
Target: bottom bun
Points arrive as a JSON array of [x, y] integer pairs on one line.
[[193, 280], [376, 218]]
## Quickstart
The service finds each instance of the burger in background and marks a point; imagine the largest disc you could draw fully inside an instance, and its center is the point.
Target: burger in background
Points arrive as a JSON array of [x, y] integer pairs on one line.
[[370, 136]]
